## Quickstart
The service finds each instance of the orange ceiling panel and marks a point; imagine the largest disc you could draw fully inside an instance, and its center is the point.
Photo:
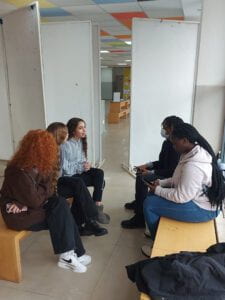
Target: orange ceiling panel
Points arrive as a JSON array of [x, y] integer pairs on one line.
[[126, 17], [123, 37], [104, 33]]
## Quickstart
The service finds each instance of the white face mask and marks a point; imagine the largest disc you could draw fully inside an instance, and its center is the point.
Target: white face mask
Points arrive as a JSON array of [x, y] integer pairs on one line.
[[163, 133]]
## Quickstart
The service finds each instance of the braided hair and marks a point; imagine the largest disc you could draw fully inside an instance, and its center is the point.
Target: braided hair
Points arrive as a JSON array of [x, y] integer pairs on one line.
[[72, 125], [215, 193]]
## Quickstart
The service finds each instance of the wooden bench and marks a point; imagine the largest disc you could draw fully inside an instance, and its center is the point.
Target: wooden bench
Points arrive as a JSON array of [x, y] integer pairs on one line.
[[174, 236], [10, 262]]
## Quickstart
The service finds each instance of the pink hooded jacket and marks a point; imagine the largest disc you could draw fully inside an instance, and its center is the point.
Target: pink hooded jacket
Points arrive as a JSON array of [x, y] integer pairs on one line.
[[192, 174]]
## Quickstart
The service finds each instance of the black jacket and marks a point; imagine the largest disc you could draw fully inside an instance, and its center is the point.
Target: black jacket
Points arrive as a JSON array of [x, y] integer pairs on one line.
[[183, 276], [168, 160]]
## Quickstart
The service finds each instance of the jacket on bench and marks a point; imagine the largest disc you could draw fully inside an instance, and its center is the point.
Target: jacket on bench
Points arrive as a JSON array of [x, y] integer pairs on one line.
[[182, 276]]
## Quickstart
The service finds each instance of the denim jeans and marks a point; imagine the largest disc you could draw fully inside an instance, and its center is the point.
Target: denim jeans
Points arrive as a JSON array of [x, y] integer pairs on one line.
[[156, 207]]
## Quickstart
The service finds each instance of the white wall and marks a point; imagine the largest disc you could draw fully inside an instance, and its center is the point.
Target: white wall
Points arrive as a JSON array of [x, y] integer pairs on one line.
[[163, 76], [22, 42], [209, 111], [97, 126], [68, 75], [211, 65], [21, 89], [6, 140]]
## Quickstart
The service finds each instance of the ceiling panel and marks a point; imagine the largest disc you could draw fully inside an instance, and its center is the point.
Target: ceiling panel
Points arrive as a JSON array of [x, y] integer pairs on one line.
[[54, 12], [121, 7], [116, 30], [113, 1], [18, 3], [168, 4], [164, 13], [72, 2], [113, 16], [80, 10]]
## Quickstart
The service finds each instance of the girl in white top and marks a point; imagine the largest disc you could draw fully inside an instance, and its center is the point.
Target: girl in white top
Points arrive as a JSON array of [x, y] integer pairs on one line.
[[195, 192]]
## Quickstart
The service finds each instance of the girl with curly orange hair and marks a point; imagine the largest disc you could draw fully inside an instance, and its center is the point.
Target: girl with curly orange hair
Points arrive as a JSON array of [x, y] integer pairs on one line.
[[28, 200]]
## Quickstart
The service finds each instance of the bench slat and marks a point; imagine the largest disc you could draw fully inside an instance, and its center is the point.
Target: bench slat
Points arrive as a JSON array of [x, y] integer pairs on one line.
[[10, 263]]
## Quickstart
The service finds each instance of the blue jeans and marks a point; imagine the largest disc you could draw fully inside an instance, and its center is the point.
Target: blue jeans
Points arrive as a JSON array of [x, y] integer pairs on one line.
[[156, 207]]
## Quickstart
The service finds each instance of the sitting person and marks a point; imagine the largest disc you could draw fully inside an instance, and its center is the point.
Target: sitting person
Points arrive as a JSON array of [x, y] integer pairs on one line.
[[163, 168], [28, 200], [195, 192], [74, 164], [83, 208]]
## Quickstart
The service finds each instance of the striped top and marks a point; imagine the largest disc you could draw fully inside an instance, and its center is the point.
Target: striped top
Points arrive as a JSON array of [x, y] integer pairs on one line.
[[72, 157]]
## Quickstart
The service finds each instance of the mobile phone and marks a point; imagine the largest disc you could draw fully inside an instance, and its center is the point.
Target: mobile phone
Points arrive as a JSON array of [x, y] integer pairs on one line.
[[147, 182], [137, 170]]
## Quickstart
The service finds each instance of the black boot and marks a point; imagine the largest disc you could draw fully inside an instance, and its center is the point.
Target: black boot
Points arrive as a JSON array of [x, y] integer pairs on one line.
[[92, 228], [130, 205], [135, 222]]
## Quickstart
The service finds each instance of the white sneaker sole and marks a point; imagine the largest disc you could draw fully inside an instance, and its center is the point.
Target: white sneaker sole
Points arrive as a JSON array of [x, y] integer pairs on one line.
[[85, 263], [72, 268]]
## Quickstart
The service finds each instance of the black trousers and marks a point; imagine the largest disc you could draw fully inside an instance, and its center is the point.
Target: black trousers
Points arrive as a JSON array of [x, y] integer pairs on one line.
[[94, 177], [83, 208], [141, 192], [62, 227]]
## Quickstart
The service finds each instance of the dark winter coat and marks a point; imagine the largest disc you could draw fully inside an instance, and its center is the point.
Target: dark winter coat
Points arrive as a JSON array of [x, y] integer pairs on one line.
[[183, 276], [24, 188]]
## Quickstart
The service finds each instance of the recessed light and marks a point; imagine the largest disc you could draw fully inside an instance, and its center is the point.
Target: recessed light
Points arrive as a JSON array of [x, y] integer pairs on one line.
[[104, 51], [128, 60]]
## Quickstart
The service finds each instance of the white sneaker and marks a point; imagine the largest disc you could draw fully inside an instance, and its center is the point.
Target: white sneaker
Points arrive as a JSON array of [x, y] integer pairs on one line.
[[146, 250], [84, 259], [69, 260]]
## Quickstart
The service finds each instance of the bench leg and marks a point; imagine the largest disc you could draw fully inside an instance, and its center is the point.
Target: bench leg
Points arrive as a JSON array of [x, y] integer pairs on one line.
[[10, 264]]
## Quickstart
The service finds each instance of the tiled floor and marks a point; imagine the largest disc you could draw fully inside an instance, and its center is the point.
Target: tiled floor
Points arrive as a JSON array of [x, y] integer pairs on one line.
[[106, 277]]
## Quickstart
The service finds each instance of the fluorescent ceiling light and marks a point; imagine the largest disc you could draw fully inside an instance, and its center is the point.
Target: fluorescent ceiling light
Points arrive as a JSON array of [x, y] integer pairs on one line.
[[104, 51], [128, 60], [128, 42], [121, 64]]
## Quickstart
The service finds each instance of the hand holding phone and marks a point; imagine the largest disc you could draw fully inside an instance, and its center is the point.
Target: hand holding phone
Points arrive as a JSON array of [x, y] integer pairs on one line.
[[151, 184], [147, 182]]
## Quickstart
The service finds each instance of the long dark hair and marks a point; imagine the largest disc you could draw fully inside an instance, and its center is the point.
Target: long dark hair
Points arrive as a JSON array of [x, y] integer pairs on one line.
[[216, 192], [172, 121], [72, 125]]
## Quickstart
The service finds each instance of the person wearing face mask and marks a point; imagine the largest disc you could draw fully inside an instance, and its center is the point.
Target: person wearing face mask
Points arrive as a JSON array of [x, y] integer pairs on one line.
[[196, 191], [151, 171]]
